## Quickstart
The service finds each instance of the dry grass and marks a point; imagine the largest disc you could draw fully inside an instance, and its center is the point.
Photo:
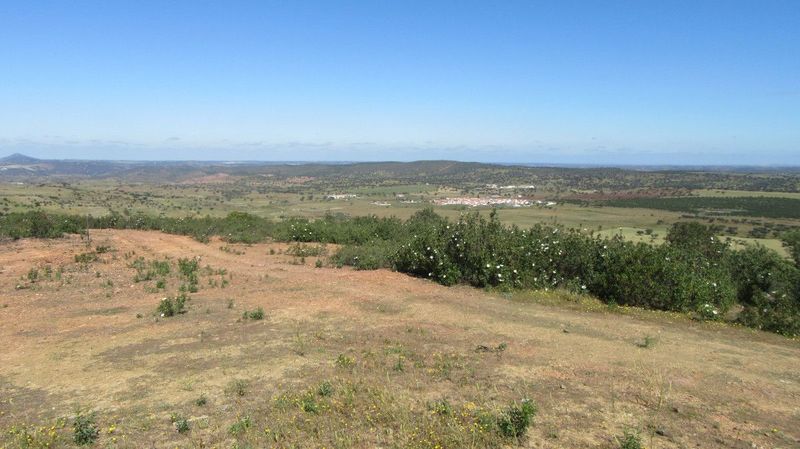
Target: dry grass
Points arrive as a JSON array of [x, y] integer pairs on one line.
[[360, 359]]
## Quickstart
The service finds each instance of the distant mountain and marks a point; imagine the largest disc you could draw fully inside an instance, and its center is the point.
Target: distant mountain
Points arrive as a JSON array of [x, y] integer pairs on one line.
[[337, 176], [21, 159]]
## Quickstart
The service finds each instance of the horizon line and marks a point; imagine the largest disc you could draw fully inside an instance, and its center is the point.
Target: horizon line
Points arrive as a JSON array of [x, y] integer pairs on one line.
[[389, 161]]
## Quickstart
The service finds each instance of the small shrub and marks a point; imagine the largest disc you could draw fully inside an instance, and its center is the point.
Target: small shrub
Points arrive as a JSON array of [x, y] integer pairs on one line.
[[160, 267], [441, 407], [309, 405], [257, 314], [240, 426], [231, 250], [377, 254], [325, 389], [398, 365], [344, 361], [180, 422], [188, 267], [300, 344], [201, 401], [647, 342], [497, 350], [238, 387], [85, 257], [172, 306], [630, 440], [514, 421], [85, 429], [303, 250]]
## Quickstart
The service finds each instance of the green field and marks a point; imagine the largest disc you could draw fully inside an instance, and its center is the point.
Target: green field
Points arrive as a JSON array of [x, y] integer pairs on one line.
[[735, 193], [635, 219]]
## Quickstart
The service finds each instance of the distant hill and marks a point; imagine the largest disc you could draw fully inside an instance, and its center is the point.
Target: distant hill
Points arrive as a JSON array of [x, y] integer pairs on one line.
[[18, 158], [19, 167]]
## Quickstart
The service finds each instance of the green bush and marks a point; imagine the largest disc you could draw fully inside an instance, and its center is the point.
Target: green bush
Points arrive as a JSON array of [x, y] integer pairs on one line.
[[792, 240], [240, 426], [692, 236], [257, 314], [84, 429], [308, 404], [370, 256], [514, 421], [343, 361], [160, 267], [39, 224], [630, 440], [187, 267], [180, 422], [325, 389], [768, 289], [663, 277], [170, 306]]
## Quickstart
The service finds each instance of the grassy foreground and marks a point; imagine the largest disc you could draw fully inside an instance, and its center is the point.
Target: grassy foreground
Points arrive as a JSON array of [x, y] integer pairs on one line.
[[344, 358]]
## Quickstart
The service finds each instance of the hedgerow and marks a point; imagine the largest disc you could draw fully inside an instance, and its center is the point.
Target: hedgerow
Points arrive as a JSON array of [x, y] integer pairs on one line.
[[752, 206], [39, 224], [768, 290], [692, 272]]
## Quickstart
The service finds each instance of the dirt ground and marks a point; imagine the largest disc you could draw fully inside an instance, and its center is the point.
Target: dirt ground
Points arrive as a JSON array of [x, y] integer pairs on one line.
[[85, 336]]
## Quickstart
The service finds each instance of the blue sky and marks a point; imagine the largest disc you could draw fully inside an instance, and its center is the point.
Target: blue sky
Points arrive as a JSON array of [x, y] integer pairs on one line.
[[609, 82]]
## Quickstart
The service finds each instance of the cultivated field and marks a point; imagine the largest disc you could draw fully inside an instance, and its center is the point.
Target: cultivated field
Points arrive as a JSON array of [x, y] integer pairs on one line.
[[277, 200], [344, 358]]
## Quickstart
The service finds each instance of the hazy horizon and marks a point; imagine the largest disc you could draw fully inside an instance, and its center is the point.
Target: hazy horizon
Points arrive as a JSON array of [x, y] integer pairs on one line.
[[345, 162], [601, 83]]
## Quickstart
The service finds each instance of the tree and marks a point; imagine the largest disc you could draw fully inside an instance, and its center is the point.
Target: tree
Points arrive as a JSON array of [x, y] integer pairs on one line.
[[695, 237], [792, 240]]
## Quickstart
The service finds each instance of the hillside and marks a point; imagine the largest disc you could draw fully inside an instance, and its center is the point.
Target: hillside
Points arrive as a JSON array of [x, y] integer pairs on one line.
[[357, 359], [443, 173], [18, 158]]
